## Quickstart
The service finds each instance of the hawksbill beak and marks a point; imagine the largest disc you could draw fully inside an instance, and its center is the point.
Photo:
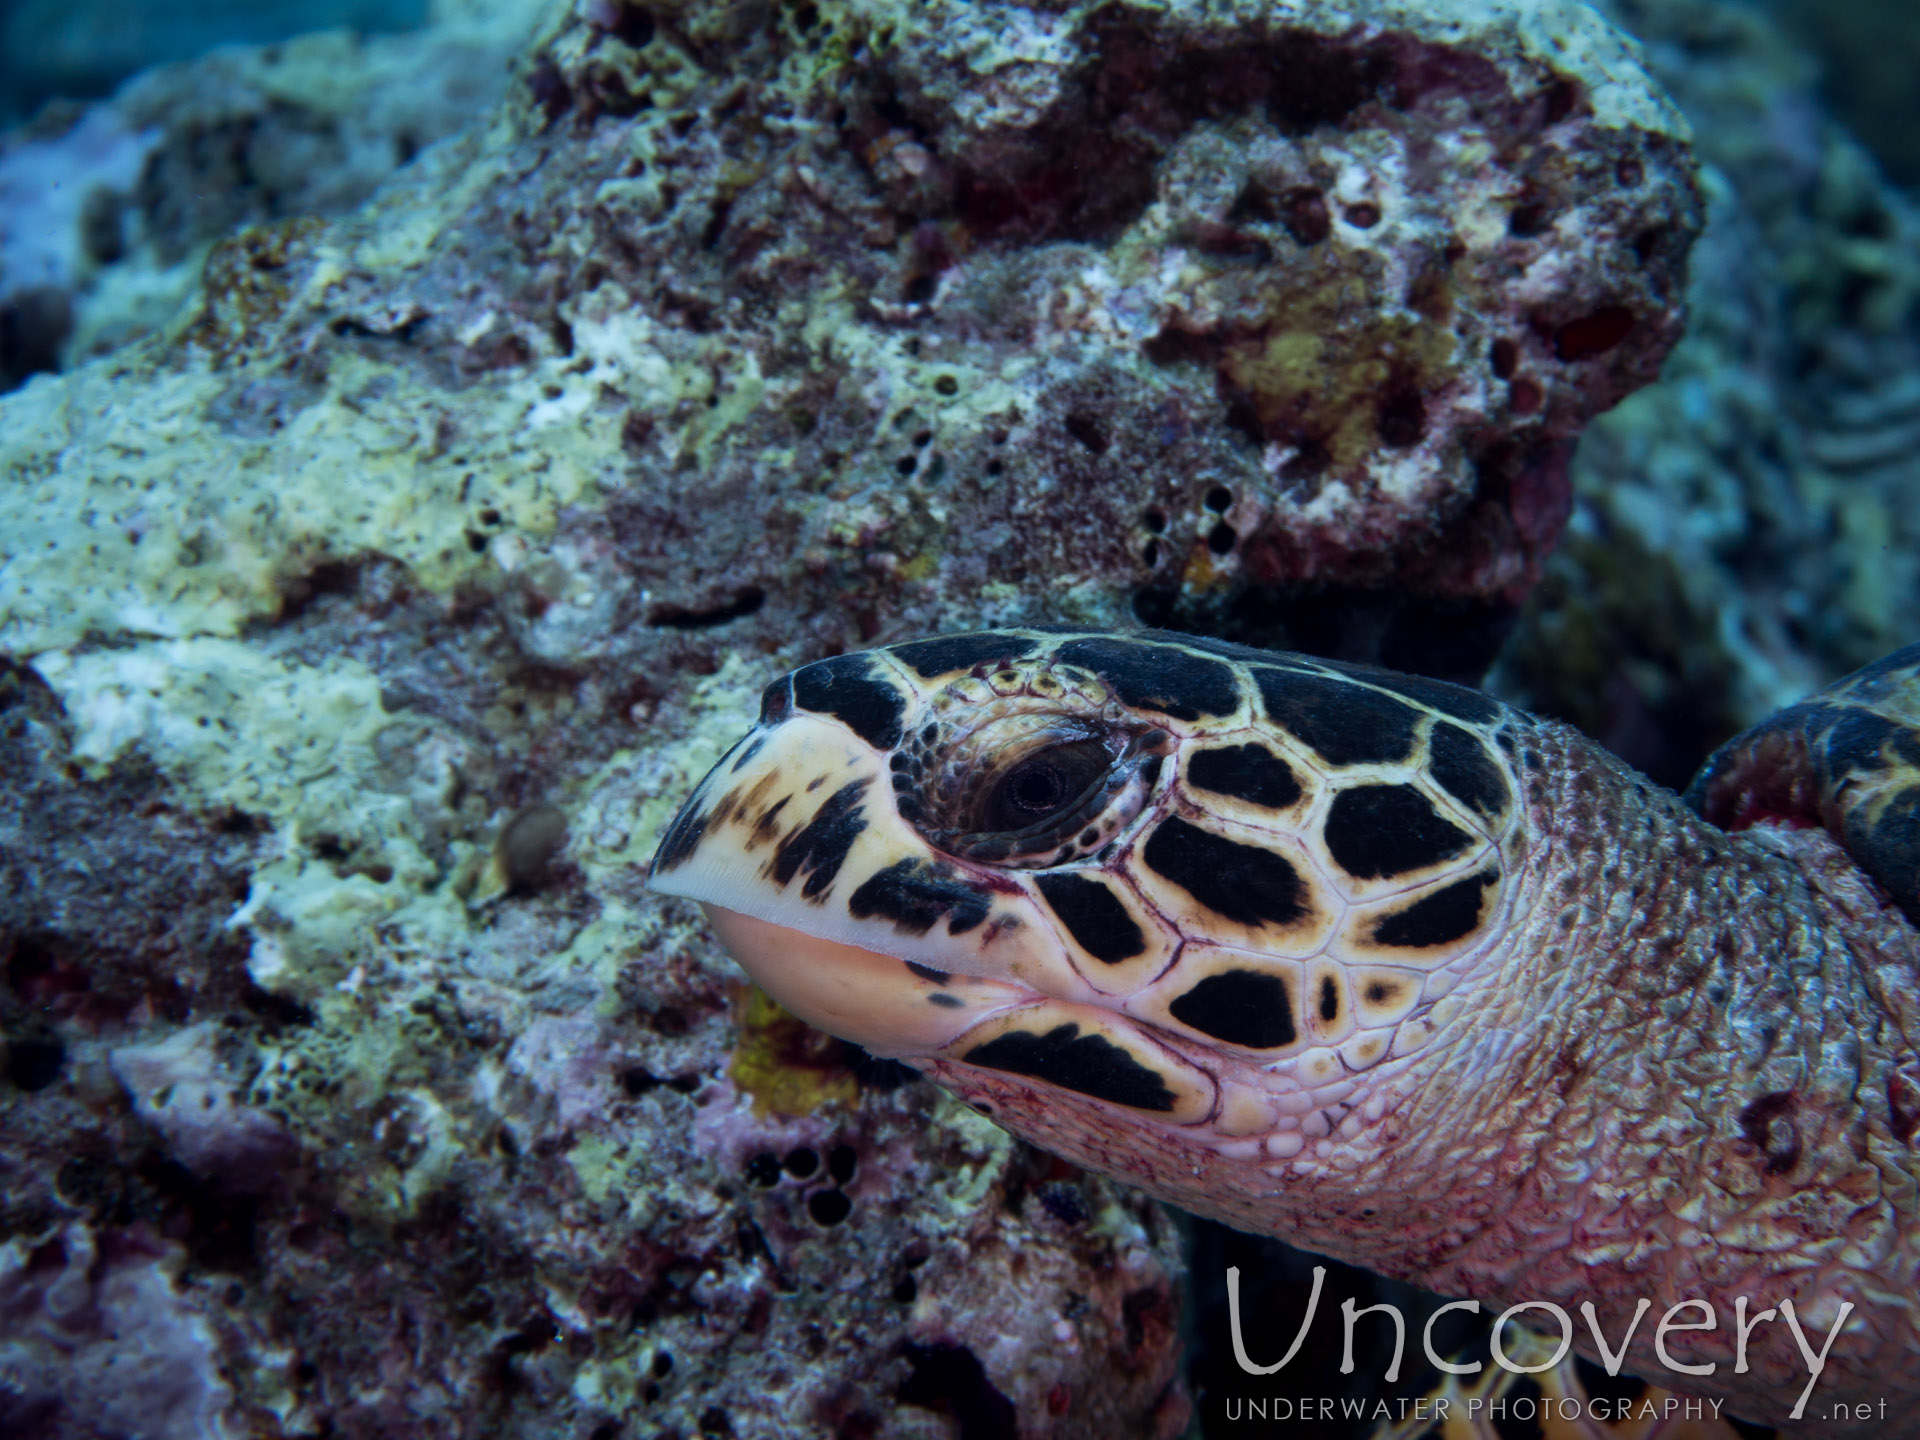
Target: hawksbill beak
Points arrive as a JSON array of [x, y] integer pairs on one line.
[[830, 901]]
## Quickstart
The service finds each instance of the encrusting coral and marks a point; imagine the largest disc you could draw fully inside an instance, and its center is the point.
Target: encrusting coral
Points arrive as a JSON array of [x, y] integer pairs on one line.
[[366, 622]]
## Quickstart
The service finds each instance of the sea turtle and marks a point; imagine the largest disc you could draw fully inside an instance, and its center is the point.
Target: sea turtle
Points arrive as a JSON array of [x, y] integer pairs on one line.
[[1384, 967]]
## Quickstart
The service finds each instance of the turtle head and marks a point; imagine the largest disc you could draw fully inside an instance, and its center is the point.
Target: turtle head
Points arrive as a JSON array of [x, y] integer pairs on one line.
[[1139, 880]]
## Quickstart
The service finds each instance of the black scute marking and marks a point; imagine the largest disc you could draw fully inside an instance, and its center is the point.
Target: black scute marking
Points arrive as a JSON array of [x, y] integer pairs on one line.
[[1889, 849], [847, 688], [915, 896], [1247, 772], [1247, 885], [1329, 1000], [1348, 724], [1094, 916], [1155, 677], [1241, 1007], [753, 749], [1455, 700], [927, 972], [820, 846], [1856, 740], [1440, 918], [684, 837], [1090, 1064], [961, 652], [1462, 767], [1374, 831]]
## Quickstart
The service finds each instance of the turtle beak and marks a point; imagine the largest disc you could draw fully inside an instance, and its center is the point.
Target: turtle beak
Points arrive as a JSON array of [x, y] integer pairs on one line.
[[886, 1007], [837, 906]]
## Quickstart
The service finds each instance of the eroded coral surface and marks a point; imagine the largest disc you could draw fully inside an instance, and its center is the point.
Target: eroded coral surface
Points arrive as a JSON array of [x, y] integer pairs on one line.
[[1745, 530], [367, 622]]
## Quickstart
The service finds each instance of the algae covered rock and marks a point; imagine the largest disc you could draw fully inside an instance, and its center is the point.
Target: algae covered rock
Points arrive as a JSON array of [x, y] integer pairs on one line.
[[1745, 530], [364, 625]]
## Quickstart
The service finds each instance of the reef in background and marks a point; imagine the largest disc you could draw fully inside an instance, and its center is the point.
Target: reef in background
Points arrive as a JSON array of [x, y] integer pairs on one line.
[[107, 211], [1745, 531]]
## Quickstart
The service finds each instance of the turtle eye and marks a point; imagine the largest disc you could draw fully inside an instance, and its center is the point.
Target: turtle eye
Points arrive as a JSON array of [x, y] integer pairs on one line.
[[1031, 789], [1039, 787]]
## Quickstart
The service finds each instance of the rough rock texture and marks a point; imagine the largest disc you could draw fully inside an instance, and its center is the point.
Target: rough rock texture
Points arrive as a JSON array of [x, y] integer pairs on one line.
[[107, 212], [367, 621], [1745, 530], [1304, 334]]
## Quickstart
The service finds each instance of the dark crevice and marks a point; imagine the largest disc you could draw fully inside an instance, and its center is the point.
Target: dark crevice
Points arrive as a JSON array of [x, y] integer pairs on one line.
[[950, 1380], [680, 617]]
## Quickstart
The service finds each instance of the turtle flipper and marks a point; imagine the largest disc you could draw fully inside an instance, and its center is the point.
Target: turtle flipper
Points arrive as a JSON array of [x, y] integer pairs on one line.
[[1846, 759]]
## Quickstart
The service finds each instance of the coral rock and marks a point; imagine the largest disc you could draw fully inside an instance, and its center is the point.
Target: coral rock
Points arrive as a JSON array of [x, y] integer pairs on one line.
[[369, 620]]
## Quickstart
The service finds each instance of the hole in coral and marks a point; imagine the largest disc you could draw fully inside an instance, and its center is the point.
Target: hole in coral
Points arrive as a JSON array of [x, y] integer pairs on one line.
[[34, 1058], [1560, 99], [1151, 554], [1593, 334], [829, 1207], [802, 1161], [842, 1160], [1064, 1201], [1308, 462], [1504, 357], [1221, 538], [1175, 347], [1528, 219], [1088, 431], [1155, 519], [763, 1170], [1303, 210], [906, 464], [920, 288], [947, 385], [1219, 498], [1402, 420], [1363, 216]]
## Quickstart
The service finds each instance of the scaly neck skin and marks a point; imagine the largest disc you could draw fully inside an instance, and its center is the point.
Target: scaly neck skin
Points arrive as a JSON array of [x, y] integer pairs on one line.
[[1687, 1080], [1687, 1073]]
